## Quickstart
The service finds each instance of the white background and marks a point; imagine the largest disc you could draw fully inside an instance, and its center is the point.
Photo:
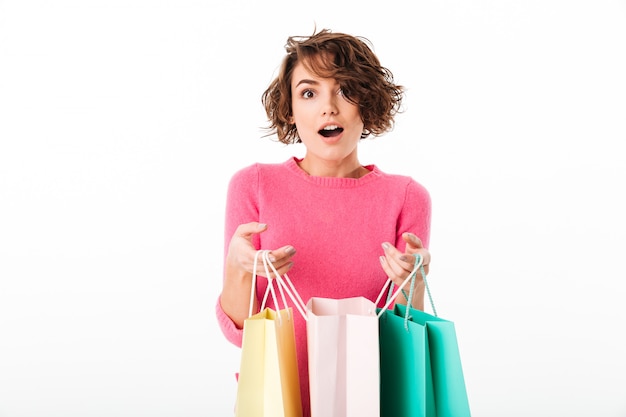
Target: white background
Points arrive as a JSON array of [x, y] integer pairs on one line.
[[121, 122]]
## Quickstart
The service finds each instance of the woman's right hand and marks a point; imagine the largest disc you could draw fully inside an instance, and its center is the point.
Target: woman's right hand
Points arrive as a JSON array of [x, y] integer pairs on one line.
[[241, 252], [239, 267]]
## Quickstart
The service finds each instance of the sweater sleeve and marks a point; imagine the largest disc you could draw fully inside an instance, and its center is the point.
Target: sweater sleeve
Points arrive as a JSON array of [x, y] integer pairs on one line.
[[416, 214], [233, 333], [241, 207]]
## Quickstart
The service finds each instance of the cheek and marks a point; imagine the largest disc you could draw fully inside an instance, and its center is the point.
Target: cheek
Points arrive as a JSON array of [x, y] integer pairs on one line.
[[301, 118], [353, 113], [297, 114]]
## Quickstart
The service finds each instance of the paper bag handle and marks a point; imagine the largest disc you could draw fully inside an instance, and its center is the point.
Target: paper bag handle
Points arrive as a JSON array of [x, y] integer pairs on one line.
[[418, 265], [283, 283]]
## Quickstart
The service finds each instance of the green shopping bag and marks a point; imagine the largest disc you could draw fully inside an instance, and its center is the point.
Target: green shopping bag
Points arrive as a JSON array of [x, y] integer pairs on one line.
[[421, 369], [406, 386]]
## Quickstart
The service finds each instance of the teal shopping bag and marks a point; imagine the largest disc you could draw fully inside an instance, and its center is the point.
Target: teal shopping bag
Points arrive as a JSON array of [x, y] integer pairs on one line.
[[421, 369], [406, 386], [445, 362]]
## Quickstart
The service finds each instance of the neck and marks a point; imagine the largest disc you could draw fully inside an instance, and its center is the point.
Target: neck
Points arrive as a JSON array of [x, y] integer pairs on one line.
[[338, 171]]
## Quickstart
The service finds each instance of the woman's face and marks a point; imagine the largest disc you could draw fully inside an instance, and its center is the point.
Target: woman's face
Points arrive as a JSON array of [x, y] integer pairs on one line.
[[329, 126]]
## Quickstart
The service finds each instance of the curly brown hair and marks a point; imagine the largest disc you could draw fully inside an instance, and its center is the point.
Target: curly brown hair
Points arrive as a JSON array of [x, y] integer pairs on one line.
[[356, 68]]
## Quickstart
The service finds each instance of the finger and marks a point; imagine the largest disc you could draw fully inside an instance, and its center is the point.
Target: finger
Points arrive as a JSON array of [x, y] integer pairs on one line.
[[412, 240], [409, 259], [281, 270], [398, 262], [282, 255], [280, 260], [414, 245], [396, 275], [401, 264], [424, 254], [248, 229]]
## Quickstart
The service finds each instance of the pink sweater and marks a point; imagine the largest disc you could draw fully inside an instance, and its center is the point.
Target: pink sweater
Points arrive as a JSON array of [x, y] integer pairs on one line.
[[337, 226]]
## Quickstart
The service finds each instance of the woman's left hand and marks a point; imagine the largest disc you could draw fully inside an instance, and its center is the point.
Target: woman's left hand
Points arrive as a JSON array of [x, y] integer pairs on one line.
[[398, 265]]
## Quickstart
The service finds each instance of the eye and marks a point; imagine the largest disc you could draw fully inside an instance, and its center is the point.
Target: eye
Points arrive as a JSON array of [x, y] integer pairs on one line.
[[307, 94], [342, 92]]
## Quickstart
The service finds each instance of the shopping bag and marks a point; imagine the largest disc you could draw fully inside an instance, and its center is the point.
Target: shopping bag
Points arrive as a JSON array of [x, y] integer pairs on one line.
[[269, 384], [342, 344], [445, 362], [421, 369]]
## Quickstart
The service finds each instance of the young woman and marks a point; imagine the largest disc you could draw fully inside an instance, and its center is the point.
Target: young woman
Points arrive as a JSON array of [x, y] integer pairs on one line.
[[337, 227]]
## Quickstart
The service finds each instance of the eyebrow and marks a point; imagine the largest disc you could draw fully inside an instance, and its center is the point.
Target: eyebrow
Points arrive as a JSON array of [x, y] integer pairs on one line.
[[307, 81]]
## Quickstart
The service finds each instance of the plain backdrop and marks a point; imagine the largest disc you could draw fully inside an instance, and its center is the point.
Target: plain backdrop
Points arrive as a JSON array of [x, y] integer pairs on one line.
[[121, 122]]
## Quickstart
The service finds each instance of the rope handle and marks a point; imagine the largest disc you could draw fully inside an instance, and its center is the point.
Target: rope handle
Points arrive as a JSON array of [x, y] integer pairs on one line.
[[283, 283], [418, 266]]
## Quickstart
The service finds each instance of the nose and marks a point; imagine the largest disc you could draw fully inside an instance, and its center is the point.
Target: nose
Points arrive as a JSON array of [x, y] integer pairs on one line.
[[329, 106]]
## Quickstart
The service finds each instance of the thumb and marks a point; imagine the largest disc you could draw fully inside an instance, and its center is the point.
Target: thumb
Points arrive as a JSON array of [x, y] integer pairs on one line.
[[412, 240], [248, 229]]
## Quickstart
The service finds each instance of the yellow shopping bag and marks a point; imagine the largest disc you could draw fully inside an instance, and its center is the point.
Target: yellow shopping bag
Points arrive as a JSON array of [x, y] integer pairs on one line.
[[269, 384]]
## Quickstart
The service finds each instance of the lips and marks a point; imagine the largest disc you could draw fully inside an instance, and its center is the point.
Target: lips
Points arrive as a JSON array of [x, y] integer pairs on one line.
[[330, 131]]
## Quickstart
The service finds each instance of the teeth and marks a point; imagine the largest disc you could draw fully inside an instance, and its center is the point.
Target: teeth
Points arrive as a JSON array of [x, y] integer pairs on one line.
[[331, 127]]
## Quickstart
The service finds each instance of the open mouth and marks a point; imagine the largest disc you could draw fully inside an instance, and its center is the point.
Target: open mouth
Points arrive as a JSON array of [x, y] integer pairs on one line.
[[330, 131]]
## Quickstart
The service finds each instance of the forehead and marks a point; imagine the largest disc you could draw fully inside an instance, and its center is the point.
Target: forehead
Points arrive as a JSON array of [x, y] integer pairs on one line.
[[304, 71]]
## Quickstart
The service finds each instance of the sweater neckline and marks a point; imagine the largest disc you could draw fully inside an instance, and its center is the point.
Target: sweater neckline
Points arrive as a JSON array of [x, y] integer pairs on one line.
[[292, 165]]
